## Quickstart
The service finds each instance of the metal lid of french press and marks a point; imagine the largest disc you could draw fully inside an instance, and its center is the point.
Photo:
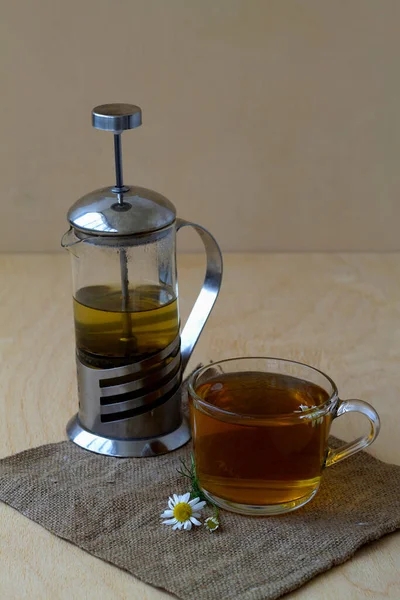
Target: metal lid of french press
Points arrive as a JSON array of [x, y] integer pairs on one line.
[[120, 210]]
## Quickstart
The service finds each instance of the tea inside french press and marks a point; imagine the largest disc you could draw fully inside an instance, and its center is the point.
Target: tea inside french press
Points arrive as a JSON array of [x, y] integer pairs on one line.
[[112, 330], [130, 353]]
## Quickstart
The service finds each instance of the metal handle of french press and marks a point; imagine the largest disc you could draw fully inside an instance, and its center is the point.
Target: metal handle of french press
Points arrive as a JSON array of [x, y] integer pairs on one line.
[[208, 293]]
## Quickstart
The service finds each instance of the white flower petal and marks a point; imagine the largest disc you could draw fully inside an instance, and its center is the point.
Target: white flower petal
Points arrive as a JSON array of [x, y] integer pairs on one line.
[[177, 526], [176, 499], [170, 522], [196, 515], [171, 503], [185, 497], [167, 513], [195, 521], [194, 501], [187, 525], [198, 506]]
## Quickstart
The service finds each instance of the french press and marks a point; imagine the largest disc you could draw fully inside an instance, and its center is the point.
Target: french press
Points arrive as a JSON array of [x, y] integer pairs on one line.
[[130, 353]]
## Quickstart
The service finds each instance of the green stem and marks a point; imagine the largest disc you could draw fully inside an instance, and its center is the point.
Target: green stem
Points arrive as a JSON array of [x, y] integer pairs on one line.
[[196, 492]]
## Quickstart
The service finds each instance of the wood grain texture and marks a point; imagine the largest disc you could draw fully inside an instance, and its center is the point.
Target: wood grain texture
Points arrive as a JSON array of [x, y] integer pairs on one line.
[[340, 313]]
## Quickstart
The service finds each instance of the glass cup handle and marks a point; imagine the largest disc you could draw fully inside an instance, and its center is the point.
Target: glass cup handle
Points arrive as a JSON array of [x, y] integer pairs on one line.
[[335, 455], [208, 293]]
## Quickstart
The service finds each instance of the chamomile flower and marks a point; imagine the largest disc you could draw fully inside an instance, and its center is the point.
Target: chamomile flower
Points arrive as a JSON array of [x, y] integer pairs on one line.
[[183, 512], [211, 524], [313, 421]]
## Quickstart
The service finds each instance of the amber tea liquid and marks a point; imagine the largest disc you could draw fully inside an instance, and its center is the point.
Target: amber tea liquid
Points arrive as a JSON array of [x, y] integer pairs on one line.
[[108, 336], [262, 463]]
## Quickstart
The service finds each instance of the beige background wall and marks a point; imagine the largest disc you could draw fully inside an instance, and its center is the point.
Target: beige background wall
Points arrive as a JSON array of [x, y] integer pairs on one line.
[[275, 123]]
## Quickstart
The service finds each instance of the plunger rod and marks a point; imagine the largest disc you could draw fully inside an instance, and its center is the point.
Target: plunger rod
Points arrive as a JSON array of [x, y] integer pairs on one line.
[[119, 188], [124, 279], [119, 185], [126, 315]]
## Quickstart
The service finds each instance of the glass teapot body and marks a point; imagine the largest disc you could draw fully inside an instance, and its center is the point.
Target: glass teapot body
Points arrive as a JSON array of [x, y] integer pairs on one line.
[[125, 296], [130, 351]]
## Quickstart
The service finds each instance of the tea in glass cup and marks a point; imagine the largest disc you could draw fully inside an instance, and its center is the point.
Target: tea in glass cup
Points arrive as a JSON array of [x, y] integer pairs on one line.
[[260, 432]]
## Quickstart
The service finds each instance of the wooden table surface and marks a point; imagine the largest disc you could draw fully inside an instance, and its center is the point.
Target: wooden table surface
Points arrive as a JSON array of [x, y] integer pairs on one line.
[[338, 312]]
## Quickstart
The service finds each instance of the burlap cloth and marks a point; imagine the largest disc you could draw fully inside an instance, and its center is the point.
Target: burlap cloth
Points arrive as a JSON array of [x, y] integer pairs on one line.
[[111, 508]]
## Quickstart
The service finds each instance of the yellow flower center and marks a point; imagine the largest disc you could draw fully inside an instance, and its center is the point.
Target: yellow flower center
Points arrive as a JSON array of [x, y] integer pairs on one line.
[[182, 511]]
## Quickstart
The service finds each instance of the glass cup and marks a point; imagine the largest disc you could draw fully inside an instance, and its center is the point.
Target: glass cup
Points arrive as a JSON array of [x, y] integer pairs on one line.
[[260, 432]]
